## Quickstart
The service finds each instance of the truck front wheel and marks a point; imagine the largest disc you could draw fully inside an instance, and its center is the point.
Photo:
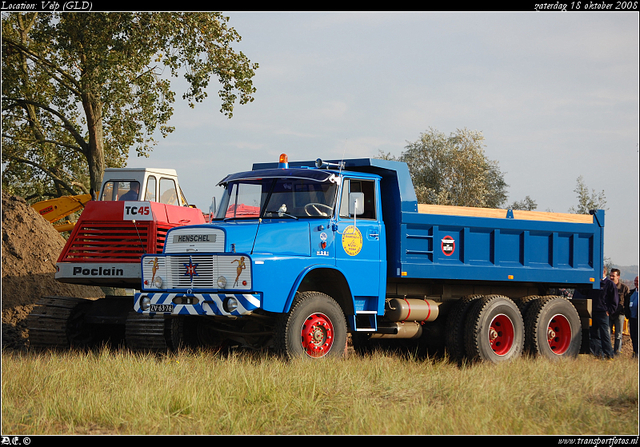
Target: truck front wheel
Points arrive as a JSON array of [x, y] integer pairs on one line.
[[314, 328]]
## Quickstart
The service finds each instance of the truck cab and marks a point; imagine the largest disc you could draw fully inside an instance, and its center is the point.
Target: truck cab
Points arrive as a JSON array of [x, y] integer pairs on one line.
[[315, 222]]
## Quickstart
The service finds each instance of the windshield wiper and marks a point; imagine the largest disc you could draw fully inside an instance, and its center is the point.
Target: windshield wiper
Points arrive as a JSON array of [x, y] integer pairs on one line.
[[281, 214]]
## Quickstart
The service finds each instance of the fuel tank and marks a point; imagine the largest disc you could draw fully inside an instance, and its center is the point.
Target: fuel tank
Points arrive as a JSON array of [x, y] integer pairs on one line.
[[411, 309]]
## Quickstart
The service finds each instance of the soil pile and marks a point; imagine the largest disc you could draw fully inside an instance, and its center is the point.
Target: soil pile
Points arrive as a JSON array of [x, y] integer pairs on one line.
[[30, 249]]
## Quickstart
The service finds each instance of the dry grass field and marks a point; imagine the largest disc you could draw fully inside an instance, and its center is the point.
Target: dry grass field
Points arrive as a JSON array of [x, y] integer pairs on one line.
[[204, 393]]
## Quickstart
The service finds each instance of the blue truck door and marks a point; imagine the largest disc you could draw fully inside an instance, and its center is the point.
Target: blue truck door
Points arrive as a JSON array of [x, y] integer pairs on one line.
[[358, 240]]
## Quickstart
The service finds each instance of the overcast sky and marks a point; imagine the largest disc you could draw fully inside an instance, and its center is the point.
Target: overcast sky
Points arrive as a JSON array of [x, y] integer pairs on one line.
[[554, 94]]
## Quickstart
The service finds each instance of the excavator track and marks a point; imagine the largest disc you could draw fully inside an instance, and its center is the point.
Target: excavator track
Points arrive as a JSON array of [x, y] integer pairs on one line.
[[146, 332], [60, 322], [56, 322]]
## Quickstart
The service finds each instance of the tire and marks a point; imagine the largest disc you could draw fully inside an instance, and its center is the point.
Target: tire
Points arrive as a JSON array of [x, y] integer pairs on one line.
[[455, 326], [553, 329], [526, 302], [494, 330], [314, 328]]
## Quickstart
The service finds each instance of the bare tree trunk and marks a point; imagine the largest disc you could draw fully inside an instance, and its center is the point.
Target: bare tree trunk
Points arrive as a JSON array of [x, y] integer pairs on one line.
[[95, 151]]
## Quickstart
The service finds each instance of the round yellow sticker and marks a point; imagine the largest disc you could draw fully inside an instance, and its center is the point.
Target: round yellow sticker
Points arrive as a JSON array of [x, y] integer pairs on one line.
[[352, 240]]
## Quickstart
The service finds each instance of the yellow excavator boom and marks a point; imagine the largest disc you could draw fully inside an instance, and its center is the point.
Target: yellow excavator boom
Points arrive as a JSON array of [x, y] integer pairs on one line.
[[61, 207]]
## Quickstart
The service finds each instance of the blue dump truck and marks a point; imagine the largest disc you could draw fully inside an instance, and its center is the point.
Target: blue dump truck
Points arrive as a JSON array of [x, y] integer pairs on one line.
[[303, 256]]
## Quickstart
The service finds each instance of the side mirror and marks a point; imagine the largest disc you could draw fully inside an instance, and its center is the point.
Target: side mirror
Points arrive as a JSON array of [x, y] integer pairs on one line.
[[213, 207], [356, 203]]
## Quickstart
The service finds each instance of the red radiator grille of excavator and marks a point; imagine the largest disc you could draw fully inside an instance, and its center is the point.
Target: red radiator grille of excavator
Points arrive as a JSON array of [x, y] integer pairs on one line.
[[114, 241]]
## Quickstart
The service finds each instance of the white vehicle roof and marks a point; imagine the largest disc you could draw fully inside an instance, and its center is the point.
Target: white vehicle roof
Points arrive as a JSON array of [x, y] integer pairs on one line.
[[120, 176], [136, 173]]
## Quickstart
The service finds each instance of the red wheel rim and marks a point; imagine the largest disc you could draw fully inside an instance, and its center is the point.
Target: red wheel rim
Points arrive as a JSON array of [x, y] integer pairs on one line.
[[317, 335], [501, 334], [559, 334]]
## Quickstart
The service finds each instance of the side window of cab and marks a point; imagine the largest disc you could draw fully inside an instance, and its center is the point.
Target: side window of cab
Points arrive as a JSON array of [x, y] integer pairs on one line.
[[168, 191], [150, 190], [365, 190]]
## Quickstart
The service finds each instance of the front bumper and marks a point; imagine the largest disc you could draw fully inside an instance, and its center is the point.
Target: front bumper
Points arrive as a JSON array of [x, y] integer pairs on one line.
[[213, 304]]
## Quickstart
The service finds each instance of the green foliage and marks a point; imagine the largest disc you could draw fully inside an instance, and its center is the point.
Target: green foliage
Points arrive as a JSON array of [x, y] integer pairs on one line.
[[527, 204], [80, 90], [453, 170], [586, 201]]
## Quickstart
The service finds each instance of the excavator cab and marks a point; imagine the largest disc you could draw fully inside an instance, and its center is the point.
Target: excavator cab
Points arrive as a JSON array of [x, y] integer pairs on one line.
[[149, 185]]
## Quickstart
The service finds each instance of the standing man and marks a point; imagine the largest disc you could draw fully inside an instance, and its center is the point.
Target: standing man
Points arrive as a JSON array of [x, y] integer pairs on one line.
[[631, 312], [604, 304], [616, 320]]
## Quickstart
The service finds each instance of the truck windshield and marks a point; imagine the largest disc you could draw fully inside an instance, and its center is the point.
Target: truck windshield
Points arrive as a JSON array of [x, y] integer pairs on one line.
[[277, 197]]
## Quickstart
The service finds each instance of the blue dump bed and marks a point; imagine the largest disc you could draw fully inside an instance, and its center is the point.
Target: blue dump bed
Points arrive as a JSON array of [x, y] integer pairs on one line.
[[499, 245], [477, 244]]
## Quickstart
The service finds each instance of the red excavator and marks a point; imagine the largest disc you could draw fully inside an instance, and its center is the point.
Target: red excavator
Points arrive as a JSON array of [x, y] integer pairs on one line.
[[131, 217]]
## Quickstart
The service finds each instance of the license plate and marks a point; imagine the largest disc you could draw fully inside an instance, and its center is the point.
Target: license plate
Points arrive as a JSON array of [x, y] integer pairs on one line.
[[164, 308]]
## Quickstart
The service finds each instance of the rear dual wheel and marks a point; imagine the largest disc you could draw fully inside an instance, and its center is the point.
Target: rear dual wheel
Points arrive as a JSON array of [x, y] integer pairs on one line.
[[494, 330], [553, 328], [455, 329]]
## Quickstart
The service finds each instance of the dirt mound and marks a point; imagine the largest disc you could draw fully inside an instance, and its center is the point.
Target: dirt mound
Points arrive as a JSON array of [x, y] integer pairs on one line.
[[30, 249]]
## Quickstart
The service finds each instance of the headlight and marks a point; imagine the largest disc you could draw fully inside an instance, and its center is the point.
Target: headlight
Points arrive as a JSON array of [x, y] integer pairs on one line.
[[222, 282], [157, 282], [230, 304], [145, 303]]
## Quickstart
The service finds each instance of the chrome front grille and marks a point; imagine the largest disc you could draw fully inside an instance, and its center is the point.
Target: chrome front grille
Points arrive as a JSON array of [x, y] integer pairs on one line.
[[197, 272], [191, 272]]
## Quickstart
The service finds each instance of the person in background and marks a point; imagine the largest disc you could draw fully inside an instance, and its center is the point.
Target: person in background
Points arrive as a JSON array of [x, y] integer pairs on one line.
[[631, 312], [604, 304], [132, 194], [616, 320]]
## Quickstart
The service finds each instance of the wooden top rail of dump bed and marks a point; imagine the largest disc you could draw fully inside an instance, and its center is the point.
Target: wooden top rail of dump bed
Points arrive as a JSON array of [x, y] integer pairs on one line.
[[501, 214]]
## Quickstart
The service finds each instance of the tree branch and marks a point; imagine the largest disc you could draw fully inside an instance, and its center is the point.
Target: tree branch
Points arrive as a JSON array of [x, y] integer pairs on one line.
[[47, 171], [49, 67], [34, 140], [68, 125]]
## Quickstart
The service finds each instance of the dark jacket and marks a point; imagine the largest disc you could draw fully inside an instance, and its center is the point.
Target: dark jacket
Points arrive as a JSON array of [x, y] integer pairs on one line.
[[623, 297], [627, 309], [607, 299]]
